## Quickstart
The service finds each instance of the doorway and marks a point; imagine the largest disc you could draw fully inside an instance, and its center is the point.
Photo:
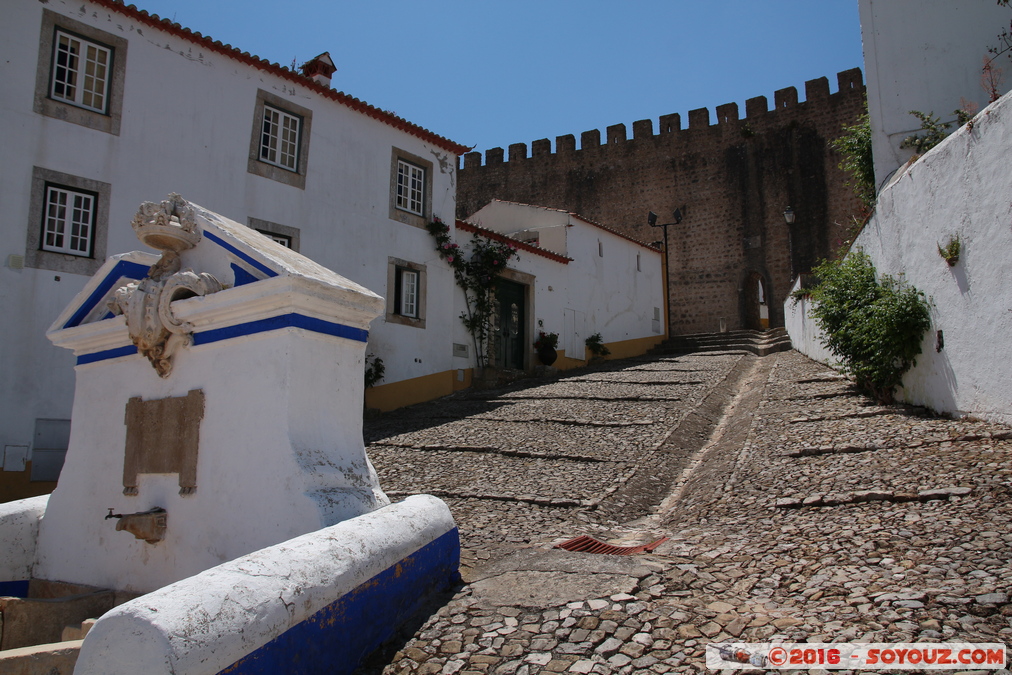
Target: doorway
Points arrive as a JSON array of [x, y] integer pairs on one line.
[[757, 310], [509, 326]]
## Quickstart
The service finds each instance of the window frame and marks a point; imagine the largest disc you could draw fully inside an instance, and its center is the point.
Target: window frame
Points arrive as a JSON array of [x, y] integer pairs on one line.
[[68, 221], [277, 230], [396, 271], [265, 168], [279, 142], [421, 218], [39, 257], [109, 118], [405, 297]]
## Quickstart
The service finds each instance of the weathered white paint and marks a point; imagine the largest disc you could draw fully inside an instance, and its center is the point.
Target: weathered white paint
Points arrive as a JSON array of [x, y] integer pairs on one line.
[[962, 188], [805, 334], [602, 283], [281, 450], [207, 622], [187, 123], [19, 531], [923, 55]]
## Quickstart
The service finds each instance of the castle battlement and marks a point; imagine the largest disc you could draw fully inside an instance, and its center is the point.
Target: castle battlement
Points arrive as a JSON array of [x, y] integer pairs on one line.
[[849, 83]]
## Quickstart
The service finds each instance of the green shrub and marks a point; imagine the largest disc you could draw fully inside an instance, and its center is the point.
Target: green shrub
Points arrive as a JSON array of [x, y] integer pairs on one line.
[[855, 146], [595, 343], [874, 326]]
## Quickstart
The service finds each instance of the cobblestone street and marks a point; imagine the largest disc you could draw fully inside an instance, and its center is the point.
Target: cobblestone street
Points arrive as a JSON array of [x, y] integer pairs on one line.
[[795, 510]]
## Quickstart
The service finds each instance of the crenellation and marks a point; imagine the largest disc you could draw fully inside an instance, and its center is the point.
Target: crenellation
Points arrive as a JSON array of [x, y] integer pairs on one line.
[[817, 89], [727, 112], [849, 79], [670, 123], [785, 98], [699, 118], [616, 134], [756, 106], [643, 129], [472, 160]]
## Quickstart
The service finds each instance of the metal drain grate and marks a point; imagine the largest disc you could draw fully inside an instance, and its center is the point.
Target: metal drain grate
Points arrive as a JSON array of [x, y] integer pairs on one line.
[[585, 544]]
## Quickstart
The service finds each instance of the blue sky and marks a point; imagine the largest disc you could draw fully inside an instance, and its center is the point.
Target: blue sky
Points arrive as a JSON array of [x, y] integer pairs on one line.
[[488, 74]]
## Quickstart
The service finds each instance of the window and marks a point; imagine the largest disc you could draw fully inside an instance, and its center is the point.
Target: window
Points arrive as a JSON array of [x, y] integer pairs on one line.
[[405, 293], [410, 188], [80, 74], [406, 301], [68, 222], [283, 234], [279, 145]]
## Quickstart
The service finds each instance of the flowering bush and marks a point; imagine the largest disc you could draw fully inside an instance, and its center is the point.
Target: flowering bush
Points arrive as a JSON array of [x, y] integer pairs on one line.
[[474, 276]]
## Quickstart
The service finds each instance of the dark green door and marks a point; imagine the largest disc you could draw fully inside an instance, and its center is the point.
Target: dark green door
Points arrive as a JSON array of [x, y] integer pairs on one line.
[[509, 334]]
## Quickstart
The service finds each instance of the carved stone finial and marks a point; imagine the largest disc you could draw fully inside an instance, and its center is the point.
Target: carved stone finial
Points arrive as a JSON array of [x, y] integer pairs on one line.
[[171, 227], [167, 226]]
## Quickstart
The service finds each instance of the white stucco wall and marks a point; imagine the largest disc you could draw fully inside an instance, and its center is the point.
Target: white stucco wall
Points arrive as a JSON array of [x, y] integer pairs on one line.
[[601, 290], [186, 127], [962, 187], [924, 55]]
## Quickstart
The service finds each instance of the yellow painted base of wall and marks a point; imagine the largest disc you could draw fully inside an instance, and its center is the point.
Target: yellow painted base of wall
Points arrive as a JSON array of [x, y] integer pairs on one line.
[[19, 485], [619, 350], [388, 397], [416, 390]]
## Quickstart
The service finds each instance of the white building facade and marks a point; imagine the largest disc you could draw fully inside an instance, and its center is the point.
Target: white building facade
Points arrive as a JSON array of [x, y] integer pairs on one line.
[[106, 107], [588, 280]]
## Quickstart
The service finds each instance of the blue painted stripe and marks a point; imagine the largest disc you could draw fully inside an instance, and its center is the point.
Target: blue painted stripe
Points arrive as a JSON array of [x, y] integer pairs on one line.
[[278, 322], [124, 268], [239, 254], [15, 589], [336, 639], [241, 276], [106, 355], [251, 328]]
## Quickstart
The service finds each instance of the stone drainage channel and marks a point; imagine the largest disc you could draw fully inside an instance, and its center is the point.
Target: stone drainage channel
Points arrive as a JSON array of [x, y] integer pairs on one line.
[[796, 510]]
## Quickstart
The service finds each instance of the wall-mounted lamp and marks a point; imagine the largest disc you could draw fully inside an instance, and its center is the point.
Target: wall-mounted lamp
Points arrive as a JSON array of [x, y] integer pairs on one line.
[[789, 215]]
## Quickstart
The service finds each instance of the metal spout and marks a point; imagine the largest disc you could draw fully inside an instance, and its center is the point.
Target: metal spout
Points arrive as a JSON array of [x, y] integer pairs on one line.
[[147, 525]]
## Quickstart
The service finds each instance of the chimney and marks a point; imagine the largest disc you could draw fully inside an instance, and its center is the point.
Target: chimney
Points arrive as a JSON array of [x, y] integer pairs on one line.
[[319, 69]]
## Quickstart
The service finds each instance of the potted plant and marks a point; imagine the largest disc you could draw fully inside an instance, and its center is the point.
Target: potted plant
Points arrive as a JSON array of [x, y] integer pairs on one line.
[[545, 346]]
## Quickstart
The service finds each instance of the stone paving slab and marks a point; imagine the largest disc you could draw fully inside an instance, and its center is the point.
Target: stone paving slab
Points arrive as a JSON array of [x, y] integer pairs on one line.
[[740, 564]]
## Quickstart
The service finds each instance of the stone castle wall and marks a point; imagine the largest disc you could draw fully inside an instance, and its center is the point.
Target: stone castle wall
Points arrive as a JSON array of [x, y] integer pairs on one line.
[[732, 181]]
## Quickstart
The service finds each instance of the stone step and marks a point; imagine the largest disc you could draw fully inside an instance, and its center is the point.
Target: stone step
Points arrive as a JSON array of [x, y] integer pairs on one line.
[[759, 343]]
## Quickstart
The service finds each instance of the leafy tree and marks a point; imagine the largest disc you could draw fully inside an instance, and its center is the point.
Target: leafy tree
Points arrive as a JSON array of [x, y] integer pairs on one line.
[[855, 146], [874, 326]]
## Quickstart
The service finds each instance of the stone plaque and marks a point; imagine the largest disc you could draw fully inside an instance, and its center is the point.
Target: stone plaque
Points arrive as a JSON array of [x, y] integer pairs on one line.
[[163, 437]]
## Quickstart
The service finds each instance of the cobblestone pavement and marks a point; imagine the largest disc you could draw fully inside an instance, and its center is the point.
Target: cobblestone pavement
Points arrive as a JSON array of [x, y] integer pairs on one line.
[[796, 510]]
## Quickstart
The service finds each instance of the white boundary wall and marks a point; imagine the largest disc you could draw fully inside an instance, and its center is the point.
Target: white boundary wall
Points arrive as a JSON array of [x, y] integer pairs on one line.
[[962, 187]]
